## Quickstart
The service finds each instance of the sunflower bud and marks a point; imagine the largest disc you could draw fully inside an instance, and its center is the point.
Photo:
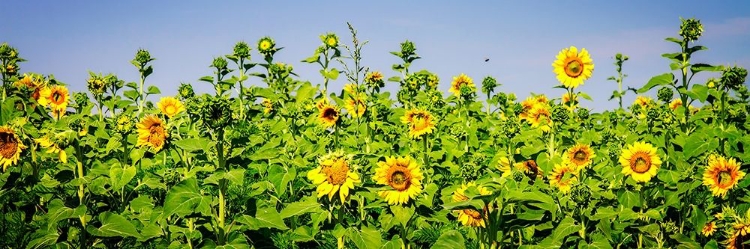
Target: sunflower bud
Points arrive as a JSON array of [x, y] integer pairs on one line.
[[5, 50], [123, 124], [81, 99], [665, 94], [733, 77], [374, 80], [691, 29], [432, 81], [407, 49], [11, 69], [185, 91], [96, 85], [581, 195], [488, 85], [142, 57], [559, 114], [266, 45], [219, 63], [242, 50], [583, 113], [613, 151], [216, 113], [331, 40]]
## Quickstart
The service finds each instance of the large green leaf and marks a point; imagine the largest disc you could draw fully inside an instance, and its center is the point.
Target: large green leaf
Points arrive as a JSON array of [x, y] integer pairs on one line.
[[185, 198], [310, 205], [450, 240], [264, 218], [113, 225], [120, 177], [659, 80], [194, 144], [697, 144], [566, 227], [367, 238]]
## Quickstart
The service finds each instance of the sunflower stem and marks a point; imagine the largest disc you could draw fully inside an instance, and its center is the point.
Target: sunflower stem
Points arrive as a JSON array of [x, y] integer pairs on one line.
[[551, 144], [426, 151], [222, 186]]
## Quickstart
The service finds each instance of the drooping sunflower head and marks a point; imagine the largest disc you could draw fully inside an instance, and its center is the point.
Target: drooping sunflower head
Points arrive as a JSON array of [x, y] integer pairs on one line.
[[334, 175], [328, 115], [739, 233], [675, 103], [10, 147], [573, 67], [470, 216], [152, 133], [374, 80], [721, 175], [579, 155], [96, 85], [403, 177], [356, 106], [461, 81], [420, 122], [564, 176], [170, 106], [640, 161], [56, 96]]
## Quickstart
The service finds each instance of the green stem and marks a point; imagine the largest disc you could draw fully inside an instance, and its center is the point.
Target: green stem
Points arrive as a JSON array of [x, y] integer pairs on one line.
[[551, 144], [140, 93], [222, 186], [426, 151]]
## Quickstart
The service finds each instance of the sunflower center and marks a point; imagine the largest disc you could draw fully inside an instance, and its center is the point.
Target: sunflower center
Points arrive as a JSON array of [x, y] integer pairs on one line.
[[420, 123], [265, 45], [400, 180], [724, 179], [156, 136], [337, 172], [473, 213], [640, 163], [574, 68], [8, 145], [57, 97], [330, 114], [580, 156], [331, 41], [170, 109]]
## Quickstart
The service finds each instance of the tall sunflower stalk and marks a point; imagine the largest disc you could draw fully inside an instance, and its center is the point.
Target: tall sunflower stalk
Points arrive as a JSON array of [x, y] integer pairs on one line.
[[141, 62], [240, 55]]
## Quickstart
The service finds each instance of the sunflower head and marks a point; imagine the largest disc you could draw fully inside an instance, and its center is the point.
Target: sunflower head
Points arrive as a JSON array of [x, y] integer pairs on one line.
[[564, 176], [356, 106], [579, 155], [266, 45], [96, 84], [10, 147], [334, 175], [539, 116], [739, 233], [675, 104], [573, 67], [216, 112], [640, 161], [123, 124], [267, 106], [170, 106], [185, 91], [374, 80], [470, 216], [420, 122], [531, 169], [241, 50], [152, 132], [462, 81], [708, 229], [11, 69], [331, 40], [721, 175], [56, 96], [690, 29], [403, 178], [328, 115], [643, 101]]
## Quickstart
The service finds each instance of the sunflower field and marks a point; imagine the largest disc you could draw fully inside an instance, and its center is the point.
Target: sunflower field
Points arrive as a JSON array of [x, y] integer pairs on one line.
[[269, 160]]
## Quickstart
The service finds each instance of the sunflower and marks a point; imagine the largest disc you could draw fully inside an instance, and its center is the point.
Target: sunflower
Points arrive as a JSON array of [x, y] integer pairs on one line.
[[54, 146], [580, 155], [334, 175], [321, 103], [573, 67], [640, 161], [539, 116], [265, 44], [564, 176], [151, 132], [403, 175], [56, 96], [328, 115], [708, 229], [470, 216], [643, 101], [356, 106], [739, 234], [10, 147], [570, 101], [350, 88], [675, 103], [458, 82], [267, 106], [419, 121], [721, 175], [504, 166], [170, 106], [530, 168]]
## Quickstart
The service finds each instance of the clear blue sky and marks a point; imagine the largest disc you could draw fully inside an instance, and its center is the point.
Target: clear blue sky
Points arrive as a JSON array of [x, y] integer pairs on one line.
[[521, 38]]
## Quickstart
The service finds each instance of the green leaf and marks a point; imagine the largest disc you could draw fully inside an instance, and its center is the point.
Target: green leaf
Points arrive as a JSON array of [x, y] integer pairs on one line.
[[367, 238], [698, 143], [566, 227], [130, 94], [685, 241], [280, 177], [699, 67], [310, 205], [585, 96], [120, 177], [604, 213], [660, 80], [402, 214], [305, 91], [44, 241], [185, 198], [264, 218], [113, 225], [450, 240], [194, 144], [628, 199], [153, 90], [711, 245], [700, 91], [535, 198]]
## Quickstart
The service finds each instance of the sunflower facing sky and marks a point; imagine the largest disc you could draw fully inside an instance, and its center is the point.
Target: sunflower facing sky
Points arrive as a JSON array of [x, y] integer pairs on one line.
[[470, 216], [170, 106], [564, 176], [328, 115], [573, 67], [579, 155], [721, 175], [56, 96], [334, 175], [152, 132], [403, 177], [419, 121], [458, 82], [640, 161], [10, 147]]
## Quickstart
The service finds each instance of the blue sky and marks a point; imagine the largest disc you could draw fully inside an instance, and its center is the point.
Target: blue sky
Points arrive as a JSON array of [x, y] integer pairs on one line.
[[521, 38]]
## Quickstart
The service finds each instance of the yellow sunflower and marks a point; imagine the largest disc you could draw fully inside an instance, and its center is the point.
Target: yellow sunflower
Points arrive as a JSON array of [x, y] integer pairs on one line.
[[675, 103], [539, 116], [152, 132], [374, 76], [504, 166], [419, 121], [470, 216], [580, 155], [739, 234], [530, 168], [644, 101], [573, 67], [58, 97], [721, 175], [333, 175], [54, 147], [10, 147], [170, 106], [403, 175], [458, 82], [321, 103], [356, 106], [640, 161], [27, 81], [708, 229], [350, 88], [328, 115], [267, 106], [564, 176]]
